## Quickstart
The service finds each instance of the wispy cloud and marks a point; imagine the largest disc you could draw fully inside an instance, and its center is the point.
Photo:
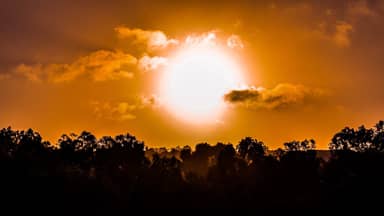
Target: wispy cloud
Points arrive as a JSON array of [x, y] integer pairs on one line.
[[204, 39], [338, 33], [148, 63], [337, 28], [4, 76], [341, 36], [360, 8], [234, 41], [213, 38], [152, 39], [123, 110]]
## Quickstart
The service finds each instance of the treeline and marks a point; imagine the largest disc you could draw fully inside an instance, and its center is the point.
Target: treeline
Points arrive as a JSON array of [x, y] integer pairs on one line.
[[116, 174]]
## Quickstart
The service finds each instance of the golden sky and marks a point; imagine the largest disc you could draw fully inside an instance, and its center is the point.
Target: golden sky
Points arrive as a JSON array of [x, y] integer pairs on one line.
[[288, 69]]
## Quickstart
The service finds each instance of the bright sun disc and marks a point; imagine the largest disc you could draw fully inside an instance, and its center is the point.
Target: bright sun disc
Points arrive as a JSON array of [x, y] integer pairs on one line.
[[196, 80]]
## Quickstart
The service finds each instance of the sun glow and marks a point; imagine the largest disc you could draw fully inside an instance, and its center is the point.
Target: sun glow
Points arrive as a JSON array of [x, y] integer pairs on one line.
[[195, 81]]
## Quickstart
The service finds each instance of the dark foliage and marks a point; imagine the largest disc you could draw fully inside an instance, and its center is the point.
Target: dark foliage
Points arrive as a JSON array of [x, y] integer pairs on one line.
[[117, 174]]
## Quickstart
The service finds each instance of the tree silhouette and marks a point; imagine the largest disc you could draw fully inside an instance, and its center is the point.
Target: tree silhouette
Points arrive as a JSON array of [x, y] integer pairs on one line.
[[120, 173], [360, 140], [378, 137], [250, 148], [226, 158], [185, 153], [7, 142], [304, 145]]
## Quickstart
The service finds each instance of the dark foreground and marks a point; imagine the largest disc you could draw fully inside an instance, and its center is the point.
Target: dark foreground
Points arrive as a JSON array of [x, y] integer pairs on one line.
[[118, 175]]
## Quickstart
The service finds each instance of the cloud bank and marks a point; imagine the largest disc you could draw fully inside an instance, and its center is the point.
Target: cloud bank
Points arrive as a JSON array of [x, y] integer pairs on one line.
[[104, 65], [101, 65]]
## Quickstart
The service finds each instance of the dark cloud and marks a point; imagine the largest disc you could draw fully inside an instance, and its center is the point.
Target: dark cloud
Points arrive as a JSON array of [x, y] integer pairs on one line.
[[283, 95], [236, 96]]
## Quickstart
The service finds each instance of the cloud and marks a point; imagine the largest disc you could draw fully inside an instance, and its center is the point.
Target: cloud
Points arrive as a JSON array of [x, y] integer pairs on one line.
[[120, 111], [213, 38], [150, 101], [282, 96], [152, 39], [31, 72], [360, 8], [4, 76], [101, 65], [204, 39], [338, 28], [338, 33], [234, 41], [104, 65], [123, 110], [341, 36], [157, 39], [147, 63]]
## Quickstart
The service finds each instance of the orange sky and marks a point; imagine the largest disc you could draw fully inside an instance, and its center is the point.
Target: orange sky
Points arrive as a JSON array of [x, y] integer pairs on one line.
[[96, 65]]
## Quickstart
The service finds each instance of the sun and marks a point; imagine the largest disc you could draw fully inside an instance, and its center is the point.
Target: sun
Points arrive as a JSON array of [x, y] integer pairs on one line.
[[195, 81]]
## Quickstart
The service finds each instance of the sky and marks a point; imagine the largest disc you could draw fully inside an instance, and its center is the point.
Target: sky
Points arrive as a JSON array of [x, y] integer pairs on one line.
[[307, 68]]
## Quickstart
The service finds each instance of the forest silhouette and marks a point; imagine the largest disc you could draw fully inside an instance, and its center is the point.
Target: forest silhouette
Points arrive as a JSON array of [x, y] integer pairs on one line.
[[117, 174]]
